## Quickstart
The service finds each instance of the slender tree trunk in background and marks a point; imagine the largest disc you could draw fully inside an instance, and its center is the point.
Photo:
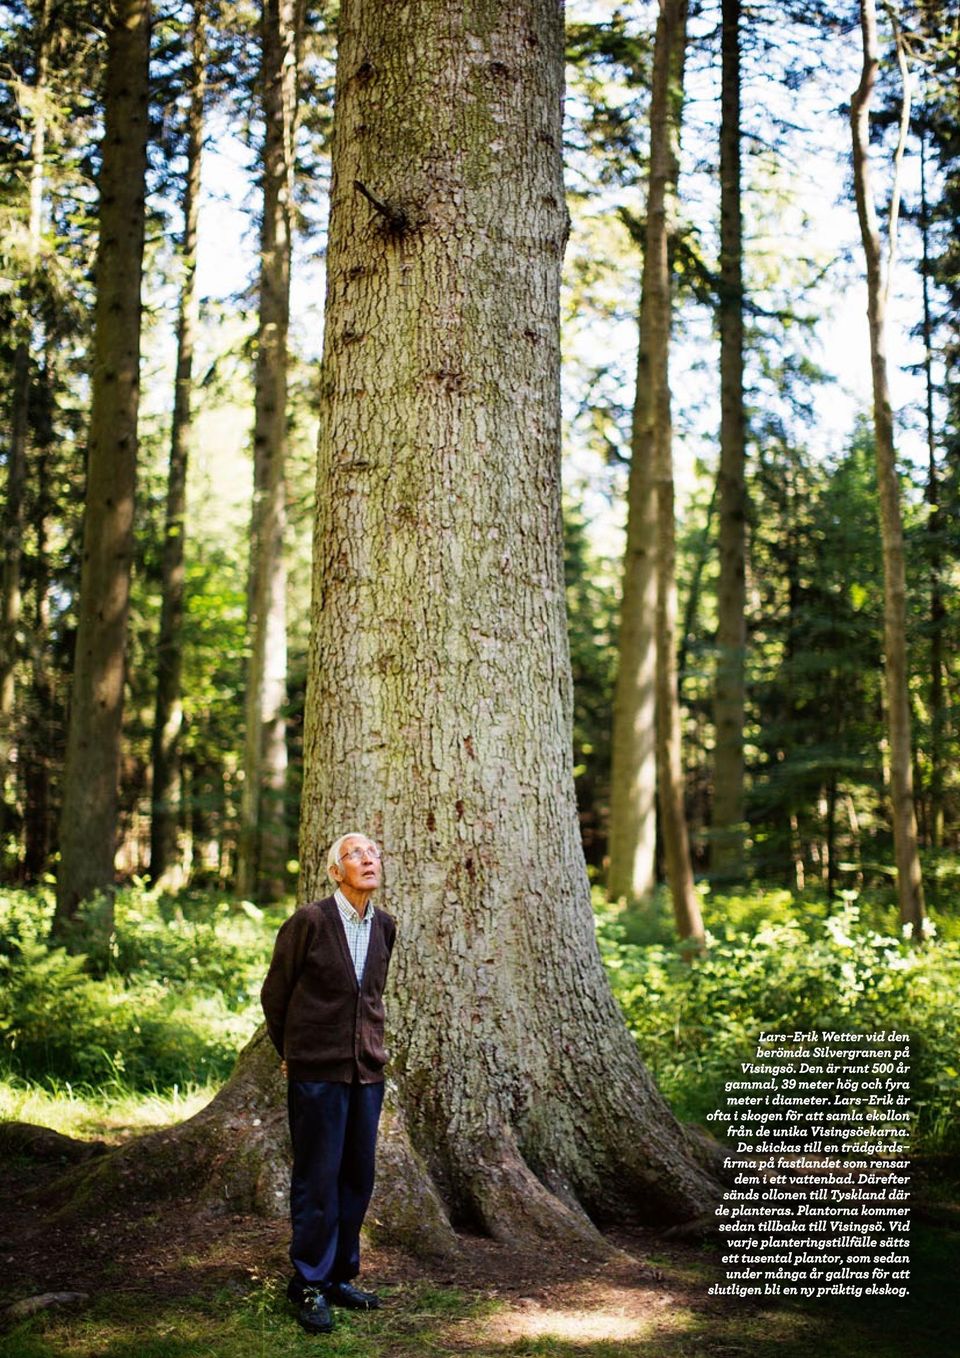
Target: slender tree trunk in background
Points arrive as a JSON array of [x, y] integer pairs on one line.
[[792, 497], [853, 821], [938, 610], [263, 848], [13, 513], [831, 840], [36, 761], [665, 114], [39, 743], [633, 792], [631, 875], [438, 710], [796, 852], [909, 880], [632, 870], [165, 862], [88, 824], [691, 608], [726, 839]]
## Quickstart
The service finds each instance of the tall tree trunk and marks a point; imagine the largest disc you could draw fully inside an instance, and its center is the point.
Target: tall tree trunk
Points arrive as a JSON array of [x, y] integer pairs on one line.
[[88, 822], [636, 718], [40, 741], [165, 865], [726, 840], [665, 115], [831, 837], [13, 504], [691, 609], [909, 880], [631, 874], [439, 704], [263, 836], [938, 611]]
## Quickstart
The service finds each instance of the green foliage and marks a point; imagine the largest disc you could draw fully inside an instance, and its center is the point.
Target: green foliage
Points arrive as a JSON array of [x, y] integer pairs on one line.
[[780, 964], [166, 1000], [816, 800]]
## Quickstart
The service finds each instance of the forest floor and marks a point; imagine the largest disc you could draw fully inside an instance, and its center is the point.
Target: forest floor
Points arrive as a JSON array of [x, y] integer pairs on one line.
[[170, 1284]]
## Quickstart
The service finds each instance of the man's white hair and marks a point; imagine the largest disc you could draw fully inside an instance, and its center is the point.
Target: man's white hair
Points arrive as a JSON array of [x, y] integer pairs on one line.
[[333, 856]]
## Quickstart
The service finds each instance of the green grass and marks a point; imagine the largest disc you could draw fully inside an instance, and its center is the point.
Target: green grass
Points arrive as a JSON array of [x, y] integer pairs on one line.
[[88, 1112], [237, 1322]]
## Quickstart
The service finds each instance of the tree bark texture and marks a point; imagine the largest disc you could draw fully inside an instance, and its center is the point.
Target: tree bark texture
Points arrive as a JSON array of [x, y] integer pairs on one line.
[[439, 697], [89, 815], [165, 862], [13, 504], [909, 880], [727, 835], [263, 837], [665, 115]]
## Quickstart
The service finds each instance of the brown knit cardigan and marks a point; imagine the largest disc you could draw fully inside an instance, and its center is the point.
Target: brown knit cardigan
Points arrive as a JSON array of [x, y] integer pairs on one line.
[[325, 1025]]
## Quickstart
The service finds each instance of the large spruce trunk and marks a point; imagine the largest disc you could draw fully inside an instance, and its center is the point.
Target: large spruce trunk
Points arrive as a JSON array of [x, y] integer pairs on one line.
[[439, 698], [909, 879], [88, 824]]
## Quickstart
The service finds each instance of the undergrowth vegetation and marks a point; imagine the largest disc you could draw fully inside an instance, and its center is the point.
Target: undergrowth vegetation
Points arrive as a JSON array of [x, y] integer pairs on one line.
[[166, 1000], [158, 1009], [776, 964]]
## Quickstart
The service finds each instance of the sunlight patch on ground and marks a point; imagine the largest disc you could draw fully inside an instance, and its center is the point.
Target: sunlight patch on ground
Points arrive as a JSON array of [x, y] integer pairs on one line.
[[609, 1314]]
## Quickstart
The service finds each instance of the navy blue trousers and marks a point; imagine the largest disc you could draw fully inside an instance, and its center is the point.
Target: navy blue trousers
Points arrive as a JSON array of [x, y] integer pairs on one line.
[[333, 1129]]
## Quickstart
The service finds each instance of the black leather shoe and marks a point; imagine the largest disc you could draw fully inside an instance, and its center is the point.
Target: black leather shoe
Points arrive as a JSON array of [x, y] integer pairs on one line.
[[314, 1313], [295, 1290], [345, 1294]]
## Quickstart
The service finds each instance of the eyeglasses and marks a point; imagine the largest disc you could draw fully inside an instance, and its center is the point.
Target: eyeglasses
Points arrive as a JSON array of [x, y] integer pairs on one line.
[[358, 855]]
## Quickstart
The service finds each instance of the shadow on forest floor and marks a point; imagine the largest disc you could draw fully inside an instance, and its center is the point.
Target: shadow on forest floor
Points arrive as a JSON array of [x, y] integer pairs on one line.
[[174, 1285]]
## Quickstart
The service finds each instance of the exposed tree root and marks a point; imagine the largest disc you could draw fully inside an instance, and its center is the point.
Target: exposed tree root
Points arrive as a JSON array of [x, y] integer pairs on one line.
[[406, 1209], [516, 1208], [43, 1143], [231, 1156]]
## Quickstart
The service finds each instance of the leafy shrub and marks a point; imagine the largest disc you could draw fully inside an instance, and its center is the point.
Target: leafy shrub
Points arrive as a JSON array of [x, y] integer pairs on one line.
[[167, 998], [772, 965]]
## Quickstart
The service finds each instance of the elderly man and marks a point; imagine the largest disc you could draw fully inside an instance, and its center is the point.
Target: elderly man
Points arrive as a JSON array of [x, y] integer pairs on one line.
[[322, 999]]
